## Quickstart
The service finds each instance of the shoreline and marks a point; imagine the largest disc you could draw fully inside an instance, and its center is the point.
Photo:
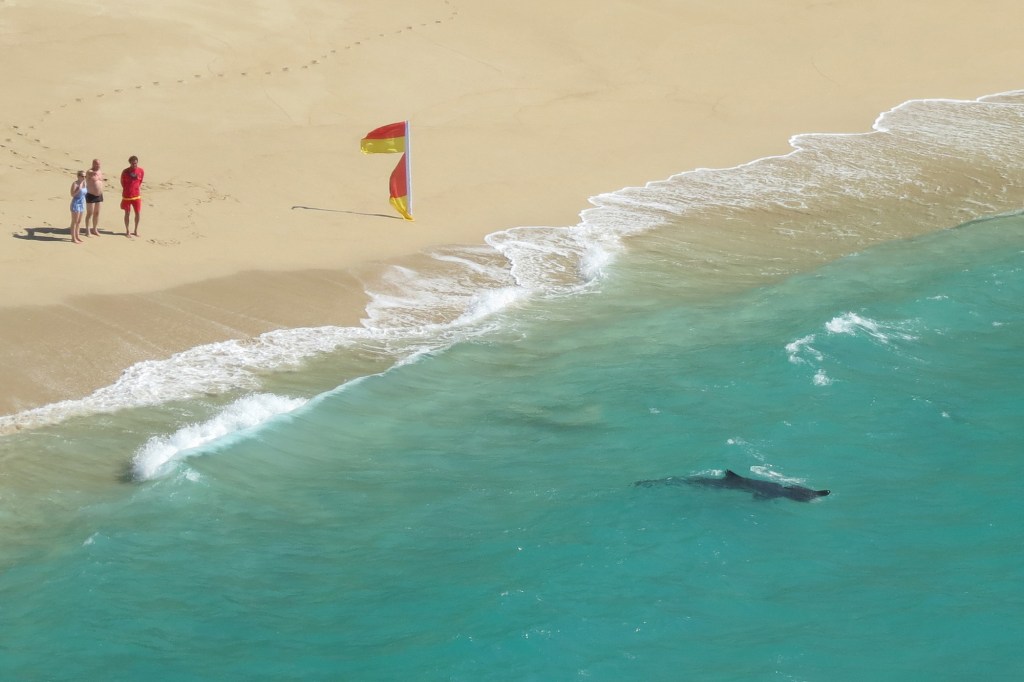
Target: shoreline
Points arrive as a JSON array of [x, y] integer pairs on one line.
[[222, 256], [37, 367], [205, 314]]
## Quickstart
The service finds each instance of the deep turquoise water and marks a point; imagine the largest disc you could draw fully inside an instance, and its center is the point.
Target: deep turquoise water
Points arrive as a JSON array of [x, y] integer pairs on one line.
[[469, 513], [471, 516]]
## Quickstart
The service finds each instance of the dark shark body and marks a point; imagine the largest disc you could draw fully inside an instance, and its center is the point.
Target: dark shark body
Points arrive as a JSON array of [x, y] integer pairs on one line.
[[761, 490]]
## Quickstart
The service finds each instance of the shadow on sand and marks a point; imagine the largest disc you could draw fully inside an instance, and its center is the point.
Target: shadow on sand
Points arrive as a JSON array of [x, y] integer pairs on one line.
[[338, 210], [45, 234], [50, 234], [63, 234]]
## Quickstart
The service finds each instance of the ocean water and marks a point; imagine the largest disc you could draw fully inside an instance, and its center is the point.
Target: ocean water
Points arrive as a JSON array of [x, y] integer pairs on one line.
[[446, 492]]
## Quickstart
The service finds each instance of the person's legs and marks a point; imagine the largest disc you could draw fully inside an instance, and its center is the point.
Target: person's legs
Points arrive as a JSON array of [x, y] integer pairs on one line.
[[95, 220], [92, 216], [128, 205]]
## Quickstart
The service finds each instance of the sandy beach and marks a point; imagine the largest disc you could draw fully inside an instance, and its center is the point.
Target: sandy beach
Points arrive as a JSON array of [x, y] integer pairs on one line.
[[259, 212]]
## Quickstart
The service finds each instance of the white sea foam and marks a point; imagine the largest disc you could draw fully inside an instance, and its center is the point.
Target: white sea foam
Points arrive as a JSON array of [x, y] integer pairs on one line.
[[767, 472], [853, 325], [160, 453], [801, 347], [209, 369], [802, 352]]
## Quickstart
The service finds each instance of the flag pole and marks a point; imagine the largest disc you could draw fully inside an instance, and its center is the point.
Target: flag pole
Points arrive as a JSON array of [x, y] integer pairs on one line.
[[408, 162]]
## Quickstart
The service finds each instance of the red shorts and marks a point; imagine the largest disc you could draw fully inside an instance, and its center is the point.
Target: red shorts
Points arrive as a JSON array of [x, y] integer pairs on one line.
[[127, 204]]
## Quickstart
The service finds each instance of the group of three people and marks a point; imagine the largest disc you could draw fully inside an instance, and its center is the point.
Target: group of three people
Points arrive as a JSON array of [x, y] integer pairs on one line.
[[87, 195]]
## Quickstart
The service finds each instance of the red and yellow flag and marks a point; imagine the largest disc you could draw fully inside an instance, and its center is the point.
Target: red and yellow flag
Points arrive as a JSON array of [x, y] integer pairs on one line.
[[400, 188], [387, 139], [390, 139]]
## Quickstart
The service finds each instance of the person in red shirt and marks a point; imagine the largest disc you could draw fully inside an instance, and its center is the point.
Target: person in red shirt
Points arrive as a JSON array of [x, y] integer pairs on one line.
[[131, 193]]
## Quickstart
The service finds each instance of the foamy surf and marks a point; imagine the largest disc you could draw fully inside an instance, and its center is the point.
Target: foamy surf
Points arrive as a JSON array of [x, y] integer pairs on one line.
[[803, 350], [213, 369], [159, 455], [853, 324]]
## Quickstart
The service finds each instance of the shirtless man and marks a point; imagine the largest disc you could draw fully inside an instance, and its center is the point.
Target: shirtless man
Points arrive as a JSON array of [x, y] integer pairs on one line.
[[93, 198]]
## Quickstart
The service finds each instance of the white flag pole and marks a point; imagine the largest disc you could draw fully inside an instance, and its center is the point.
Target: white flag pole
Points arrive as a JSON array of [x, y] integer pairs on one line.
[[408, 162]]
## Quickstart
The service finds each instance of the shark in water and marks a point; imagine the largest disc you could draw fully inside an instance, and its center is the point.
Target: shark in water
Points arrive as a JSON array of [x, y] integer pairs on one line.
[[761, 490]]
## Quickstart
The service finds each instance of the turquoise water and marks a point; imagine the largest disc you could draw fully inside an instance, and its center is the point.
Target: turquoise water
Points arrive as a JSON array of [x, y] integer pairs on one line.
[[471, 516], [465, 509]]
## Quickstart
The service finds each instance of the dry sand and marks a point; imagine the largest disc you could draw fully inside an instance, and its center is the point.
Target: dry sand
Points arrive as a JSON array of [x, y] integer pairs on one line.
[[241, 112]]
